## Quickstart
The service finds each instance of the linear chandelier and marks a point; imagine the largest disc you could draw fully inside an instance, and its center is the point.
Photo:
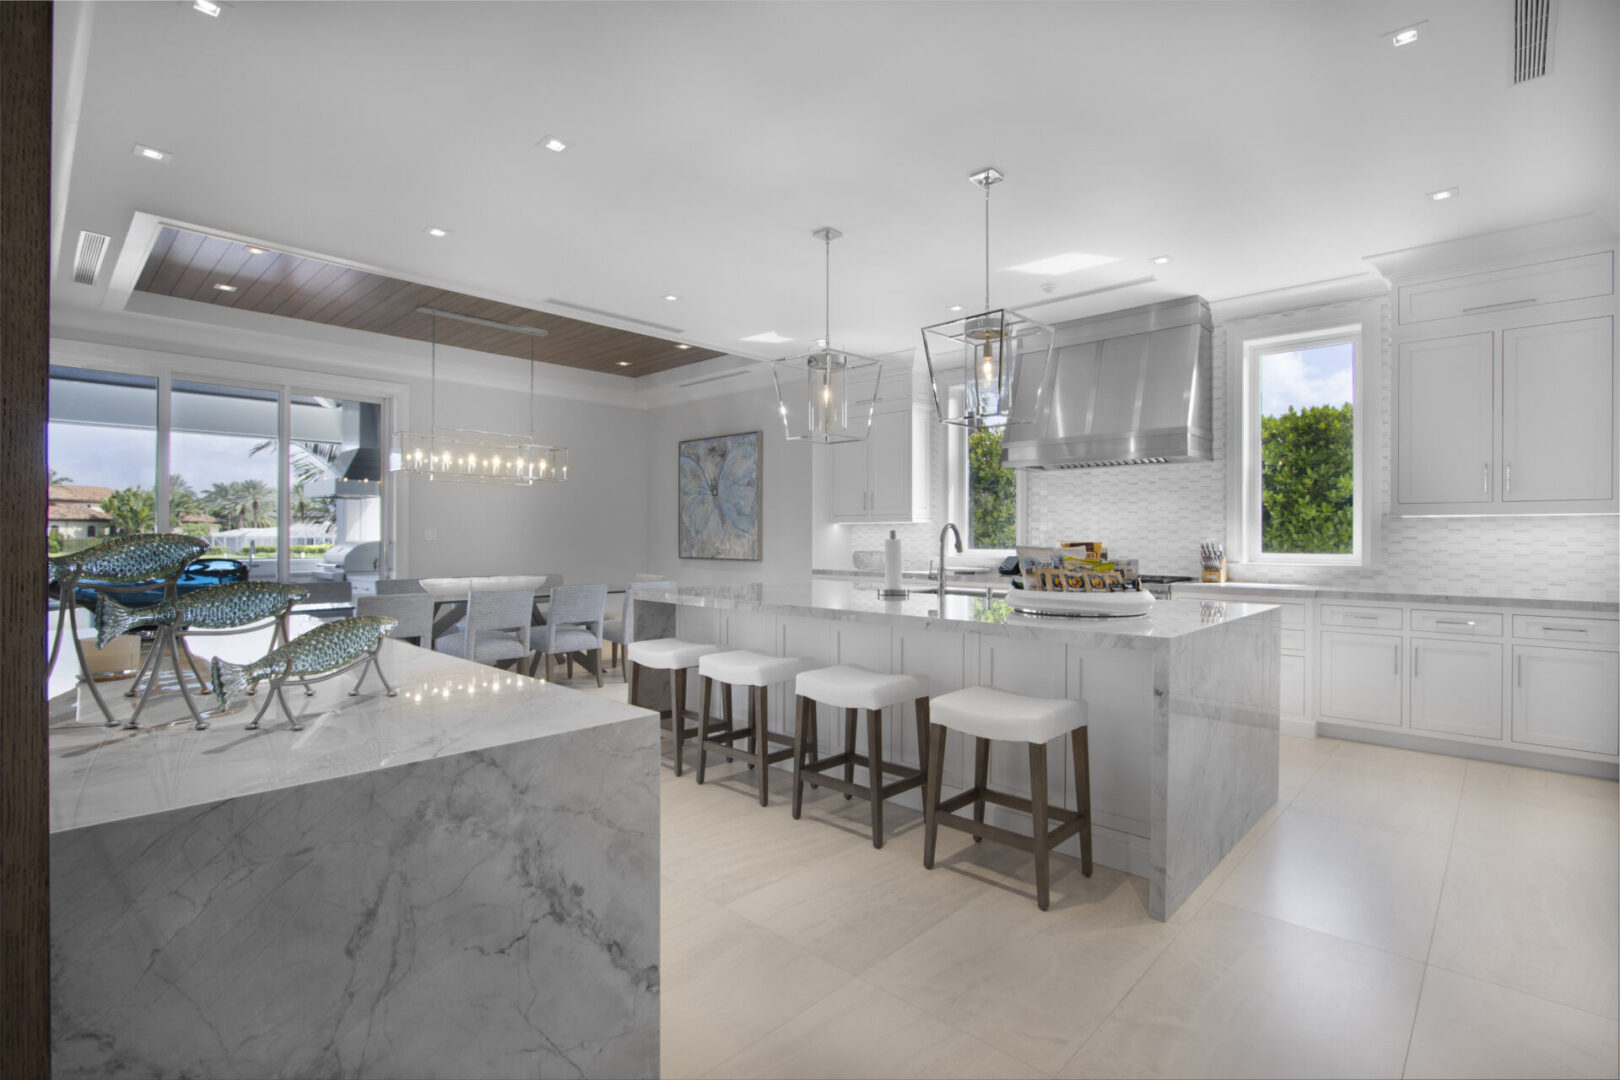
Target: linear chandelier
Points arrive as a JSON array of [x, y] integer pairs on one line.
[[826, 396], [489, 457], [984, 360]]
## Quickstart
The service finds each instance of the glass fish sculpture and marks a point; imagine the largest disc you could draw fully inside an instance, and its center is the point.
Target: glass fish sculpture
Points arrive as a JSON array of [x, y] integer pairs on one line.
[[218, 608], [328, 647], [128, 559]]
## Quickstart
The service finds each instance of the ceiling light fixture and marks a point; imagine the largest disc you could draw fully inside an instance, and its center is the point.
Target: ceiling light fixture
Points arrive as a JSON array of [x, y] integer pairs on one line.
[[435, 231], [769, 337], [554, 144], [1161, 260], [683, 346], [1443, 194], [489, 457], [255, 251], [980, 363], [1066, 263], [1406, 35], [671, 297], [207, 7], [624, 363], [814, 390], [956, 307], [222, 287], [151, 153]]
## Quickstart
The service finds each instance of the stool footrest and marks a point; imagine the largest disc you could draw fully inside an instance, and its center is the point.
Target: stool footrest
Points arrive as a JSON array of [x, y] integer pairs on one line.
[[849, 787], [893, 768], [1071, 821]]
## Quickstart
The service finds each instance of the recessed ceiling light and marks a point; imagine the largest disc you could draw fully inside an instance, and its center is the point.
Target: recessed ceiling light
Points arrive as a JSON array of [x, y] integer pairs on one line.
[[434, 230], [769, 337], [1406, 35], [207, 7], [1160, 260], [222, 287], [151, 153], [1066, 263], [683, 346], [624, 363], [671, 297], [554, 144], [956, 307], [1443, 194], [255, 251]]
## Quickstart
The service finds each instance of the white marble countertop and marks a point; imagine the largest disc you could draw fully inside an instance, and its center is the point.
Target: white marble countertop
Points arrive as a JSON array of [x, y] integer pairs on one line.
[[858, 601], [445, 706], [1278, 591]]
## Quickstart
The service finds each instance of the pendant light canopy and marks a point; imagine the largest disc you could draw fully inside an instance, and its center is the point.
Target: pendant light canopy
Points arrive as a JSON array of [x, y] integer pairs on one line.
[[489, 457], [826, 396], [978, 363]]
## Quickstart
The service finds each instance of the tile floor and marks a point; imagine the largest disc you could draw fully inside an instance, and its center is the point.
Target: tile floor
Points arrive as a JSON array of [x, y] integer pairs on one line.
[[1397, 914]]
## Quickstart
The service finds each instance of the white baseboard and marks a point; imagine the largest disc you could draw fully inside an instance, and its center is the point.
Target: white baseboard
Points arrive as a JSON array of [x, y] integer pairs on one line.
[[1298, 727]]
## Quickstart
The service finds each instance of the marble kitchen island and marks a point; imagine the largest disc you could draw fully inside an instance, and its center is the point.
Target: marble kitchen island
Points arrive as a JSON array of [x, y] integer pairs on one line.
[[458, 881], [1182, 702]]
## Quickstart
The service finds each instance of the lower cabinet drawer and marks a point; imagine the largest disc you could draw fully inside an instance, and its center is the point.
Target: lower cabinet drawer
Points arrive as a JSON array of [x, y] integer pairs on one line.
[[1293, 640], [1361, 618], [1565, 630], [1476, 623]]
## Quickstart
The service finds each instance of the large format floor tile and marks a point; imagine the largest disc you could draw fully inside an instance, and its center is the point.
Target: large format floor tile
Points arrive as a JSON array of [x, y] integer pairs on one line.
[[1542, 824], [726, 982], [1404, 798], [859, 1031], [1365, 884], [1298, 761], [1466, 1027], [1241, 994], [1033, 984], [1544, 929], [1374, 754]]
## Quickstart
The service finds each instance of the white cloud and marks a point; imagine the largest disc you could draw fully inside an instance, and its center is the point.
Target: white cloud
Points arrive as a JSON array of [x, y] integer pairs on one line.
[[1307, 377]]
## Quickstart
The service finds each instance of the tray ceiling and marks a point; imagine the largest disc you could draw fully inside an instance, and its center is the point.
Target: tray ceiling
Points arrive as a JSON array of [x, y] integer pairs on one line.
[[191, 265]]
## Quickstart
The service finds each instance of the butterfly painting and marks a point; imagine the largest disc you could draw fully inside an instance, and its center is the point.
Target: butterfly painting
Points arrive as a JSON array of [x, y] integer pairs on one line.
[[720, 497]]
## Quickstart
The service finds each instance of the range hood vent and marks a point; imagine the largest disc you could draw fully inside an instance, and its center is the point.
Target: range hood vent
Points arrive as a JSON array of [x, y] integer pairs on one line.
[[1128, 388]]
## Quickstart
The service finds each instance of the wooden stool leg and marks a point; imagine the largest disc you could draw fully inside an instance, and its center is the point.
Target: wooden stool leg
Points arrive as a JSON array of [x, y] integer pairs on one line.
[[1080, 743], [632, 675], [599, 667], [874, 771], [849, 746], [706, 689], [1037, 799], [725, 715], [760, 744], [920, 707], [931, 792], [569, 659], [677, 713], [753, 722], [800, 711], [981, 779]]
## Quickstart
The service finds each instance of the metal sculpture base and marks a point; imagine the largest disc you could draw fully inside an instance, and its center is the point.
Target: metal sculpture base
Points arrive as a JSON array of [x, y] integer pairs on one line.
[[173, 640], [367, 663], [68, 612]]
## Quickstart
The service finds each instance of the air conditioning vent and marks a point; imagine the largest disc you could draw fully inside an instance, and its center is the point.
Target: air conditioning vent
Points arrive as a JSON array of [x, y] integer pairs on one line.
[[1109, 463], [87, 263], [1532, 39]]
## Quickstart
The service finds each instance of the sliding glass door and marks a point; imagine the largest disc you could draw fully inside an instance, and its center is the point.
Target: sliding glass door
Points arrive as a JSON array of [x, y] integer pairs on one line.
[[102, 441], [225, 474]]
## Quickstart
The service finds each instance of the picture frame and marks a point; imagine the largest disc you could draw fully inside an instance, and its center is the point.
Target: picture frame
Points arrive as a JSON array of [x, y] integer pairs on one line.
[[720, 497]]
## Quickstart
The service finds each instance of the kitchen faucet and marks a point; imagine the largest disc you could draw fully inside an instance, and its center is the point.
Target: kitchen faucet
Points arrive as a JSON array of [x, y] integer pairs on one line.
[[950, 527]]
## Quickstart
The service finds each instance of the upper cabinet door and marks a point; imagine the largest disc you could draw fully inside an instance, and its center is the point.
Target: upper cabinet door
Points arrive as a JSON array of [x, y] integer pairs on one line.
[[889, 466], [1446, 416], [846, 480], [1558, 412]]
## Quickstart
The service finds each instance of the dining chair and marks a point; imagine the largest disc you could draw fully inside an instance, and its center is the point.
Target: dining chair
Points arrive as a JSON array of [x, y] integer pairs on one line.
[[621, 632], [397, 586], [495, 630], [411, 612], [323, 595], [574, 618]]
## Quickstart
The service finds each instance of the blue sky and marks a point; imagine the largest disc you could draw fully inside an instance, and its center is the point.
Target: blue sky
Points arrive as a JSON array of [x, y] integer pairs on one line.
[[120, 457], [1307, 377]]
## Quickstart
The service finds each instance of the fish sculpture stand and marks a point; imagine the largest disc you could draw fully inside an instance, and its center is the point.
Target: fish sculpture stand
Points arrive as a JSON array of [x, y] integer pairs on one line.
[[211, 612], [121, 564], [329, 650]]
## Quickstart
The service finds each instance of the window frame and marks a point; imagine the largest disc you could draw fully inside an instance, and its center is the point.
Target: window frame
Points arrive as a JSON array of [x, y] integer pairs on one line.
[[1286, 333]]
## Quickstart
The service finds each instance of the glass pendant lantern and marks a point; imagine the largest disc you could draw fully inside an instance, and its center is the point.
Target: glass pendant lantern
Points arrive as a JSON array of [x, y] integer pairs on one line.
[[826, 396], [978, 363]]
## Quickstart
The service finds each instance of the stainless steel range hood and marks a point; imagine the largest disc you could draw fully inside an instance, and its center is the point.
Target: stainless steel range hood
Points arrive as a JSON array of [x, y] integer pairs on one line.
[[1128, 388]]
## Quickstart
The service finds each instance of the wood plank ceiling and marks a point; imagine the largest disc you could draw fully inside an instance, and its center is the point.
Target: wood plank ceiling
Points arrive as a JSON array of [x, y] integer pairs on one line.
[[190, 265]]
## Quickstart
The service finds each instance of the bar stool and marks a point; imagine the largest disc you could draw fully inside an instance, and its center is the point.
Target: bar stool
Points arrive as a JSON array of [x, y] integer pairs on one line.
[[676, 657], [853, 689], [757, 672], [988, 715]]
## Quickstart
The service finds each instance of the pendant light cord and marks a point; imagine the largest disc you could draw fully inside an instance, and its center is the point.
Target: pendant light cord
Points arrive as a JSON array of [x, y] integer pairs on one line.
[[987, 247], [531, 388], [433, 368], [826, 305]]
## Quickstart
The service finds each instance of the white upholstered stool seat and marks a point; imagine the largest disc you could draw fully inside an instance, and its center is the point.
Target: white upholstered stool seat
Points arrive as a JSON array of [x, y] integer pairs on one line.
[[995, 714], [845, 687], [740, 667], [669, 654]]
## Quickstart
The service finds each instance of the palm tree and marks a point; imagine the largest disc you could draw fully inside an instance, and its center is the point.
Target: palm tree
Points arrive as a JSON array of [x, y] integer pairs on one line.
[[311, 461], [242, 503], [56, 478], [183, 498], [132, 509]]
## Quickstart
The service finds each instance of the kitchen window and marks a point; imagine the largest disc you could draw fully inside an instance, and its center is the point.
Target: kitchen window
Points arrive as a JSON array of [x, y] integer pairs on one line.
[[985, 499], [1302, 446]]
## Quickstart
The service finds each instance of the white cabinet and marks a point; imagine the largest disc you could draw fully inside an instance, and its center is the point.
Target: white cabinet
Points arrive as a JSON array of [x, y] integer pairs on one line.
[[1566, 698], [1361, 677], [1456, 687], [1551, 282], [1291, 701], [1558, 412], [1446, 416], [884, 477]]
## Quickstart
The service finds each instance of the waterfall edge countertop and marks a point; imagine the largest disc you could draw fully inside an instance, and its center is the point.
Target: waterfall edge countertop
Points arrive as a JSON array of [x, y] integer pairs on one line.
[[445, 706], [858, 601]]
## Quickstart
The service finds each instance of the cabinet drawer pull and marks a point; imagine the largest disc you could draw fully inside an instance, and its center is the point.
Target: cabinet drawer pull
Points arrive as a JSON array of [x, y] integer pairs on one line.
[[1415, 652], [1485, 485], [1518, 671], [1565, 629], [1507, 478], [1358, 615], [1502, 304], [1455, 622], [1397, 653]]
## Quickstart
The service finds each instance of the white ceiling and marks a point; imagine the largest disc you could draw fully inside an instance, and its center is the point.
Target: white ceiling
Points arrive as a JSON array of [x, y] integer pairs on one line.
[[1262, 145]]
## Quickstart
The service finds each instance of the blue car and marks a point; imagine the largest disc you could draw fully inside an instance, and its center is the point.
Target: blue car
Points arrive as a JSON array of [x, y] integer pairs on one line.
[[202, 574]]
